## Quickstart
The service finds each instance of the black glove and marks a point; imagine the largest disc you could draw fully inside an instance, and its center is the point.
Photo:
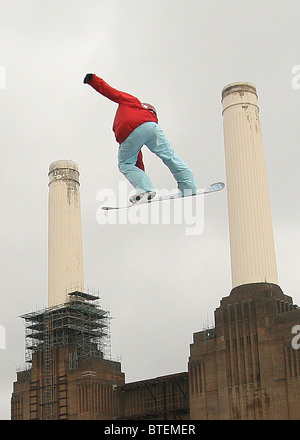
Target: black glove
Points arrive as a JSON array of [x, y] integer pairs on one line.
[[88, 77]]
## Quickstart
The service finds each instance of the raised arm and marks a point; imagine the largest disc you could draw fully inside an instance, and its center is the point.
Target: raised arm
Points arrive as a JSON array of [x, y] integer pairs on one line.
[[106, 90]]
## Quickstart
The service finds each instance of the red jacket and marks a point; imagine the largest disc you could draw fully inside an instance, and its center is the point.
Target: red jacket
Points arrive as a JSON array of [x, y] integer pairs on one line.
[[130, 113]]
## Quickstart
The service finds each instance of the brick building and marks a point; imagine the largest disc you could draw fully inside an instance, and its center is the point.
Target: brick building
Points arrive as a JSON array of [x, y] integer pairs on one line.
[[244, 368], [69, 376], [85, 392]]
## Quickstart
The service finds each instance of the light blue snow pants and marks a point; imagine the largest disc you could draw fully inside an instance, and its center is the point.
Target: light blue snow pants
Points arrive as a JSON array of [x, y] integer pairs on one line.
[[151, 135]]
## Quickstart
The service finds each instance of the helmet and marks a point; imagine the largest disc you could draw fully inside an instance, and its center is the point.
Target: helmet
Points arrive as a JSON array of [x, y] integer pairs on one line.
[[149, 107]]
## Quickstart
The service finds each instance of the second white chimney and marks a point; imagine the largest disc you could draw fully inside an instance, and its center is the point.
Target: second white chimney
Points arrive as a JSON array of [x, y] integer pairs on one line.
[[253, 257]]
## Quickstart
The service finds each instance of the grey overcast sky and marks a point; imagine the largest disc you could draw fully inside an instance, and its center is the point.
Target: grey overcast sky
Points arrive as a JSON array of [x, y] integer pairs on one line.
[[160, 284]]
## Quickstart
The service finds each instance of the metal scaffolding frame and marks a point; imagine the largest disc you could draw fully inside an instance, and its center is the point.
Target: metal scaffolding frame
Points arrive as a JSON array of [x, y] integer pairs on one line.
[[80, 324]]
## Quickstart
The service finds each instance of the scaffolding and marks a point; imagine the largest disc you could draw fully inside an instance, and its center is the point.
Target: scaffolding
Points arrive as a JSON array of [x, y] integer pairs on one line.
[[79, 325]]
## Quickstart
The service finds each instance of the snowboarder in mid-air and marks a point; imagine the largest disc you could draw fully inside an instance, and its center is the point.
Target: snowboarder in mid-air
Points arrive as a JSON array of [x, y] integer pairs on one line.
[[135, 125]]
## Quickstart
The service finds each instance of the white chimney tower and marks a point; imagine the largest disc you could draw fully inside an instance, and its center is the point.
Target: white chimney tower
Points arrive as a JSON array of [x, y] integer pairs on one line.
[[65, 256], [253, 257]]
